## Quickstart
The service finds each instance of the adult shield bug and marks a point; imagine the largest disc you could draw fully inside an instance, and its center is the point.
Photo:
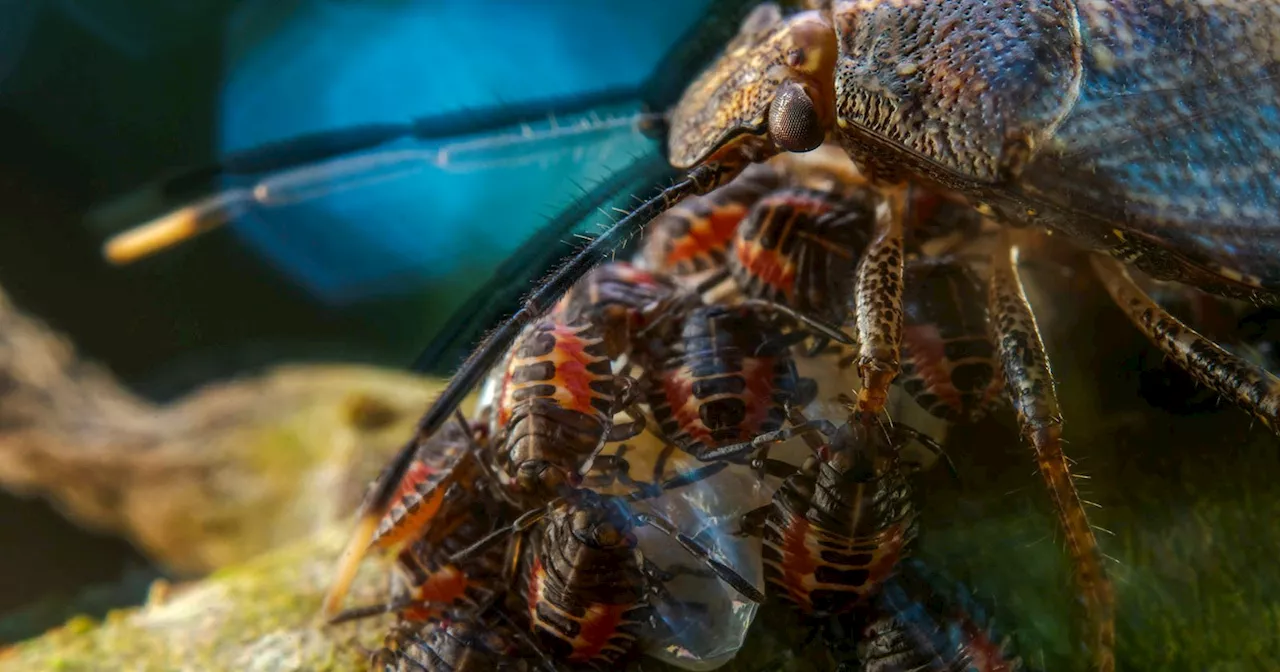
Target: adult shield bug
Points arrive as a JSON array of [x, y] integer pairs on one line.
[[1146, 130]]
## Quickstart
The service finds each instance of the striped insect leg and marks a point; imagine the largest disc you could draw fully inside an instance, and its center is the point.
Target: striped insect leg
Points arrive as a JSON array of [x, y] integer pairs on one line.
[[1030, 385], [878, 306], [1247, 385]]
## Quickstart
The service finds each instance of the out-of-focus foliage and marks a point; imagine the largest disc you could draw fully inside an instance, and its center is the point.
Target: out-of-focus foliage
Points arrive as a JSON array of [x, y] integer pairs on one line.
[[215, 478]]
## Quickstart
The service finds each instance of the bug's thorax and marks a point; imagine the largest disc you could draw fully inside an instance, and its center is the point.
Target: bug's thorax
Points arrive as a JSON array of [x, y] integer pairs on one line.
[[925, 87]]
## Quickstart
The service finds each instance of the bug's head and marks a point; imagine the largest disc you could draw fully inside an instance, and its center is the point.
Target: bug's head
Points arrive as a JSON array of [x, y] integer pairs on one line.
[[603, 523], [771, 91], [858, 453], [543, 477]]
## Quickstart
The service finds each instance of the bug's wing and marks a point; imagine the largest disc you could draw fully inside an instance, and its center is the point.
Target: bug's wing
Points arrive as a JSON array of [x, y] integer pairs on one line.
[[1176, 134]]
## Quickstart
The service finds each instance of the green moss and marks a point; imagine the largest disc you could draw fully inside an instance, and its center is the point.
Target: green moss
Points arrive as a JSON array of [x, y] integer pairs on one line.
[[259, 616]]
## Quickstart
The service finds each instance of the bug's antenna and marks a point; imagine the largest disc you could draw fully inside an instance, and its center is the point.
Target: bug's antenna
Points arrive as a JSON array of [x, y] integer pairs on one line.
[[296, 169]]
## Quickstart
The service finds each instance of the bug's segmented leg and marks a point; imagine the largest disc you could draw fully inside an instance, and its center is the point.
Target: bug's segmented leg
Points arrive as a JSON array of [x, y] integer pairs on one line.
[[1030, 387], [726, 573], [357, 613], [736, 450], [627, 403], [902, 434], [657, 488], [878, 305], [1247, 385], [819, 327], [521, 524]]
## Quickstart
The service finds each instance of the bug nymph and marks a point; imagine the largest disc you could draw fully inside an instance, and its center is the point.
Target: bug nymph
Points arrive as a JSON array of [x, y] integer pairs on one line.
[[556, 405], [585, 587], [837, 526], [836, 530], [925, 622], [454, 645], [584, 590], [798, 247], [727, 378], [949, 363], [695, 236]]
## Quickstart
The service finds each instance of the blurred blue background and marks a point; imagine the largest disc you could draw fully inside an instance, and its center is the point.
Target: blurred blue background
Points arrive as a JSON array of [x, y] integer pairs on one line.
[[293, 68]]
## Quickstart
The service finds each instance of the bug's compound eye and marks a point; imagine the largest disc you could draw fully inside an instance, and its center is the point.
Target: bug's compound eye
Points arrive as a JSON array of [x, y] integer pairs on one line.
[[794, 123]]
